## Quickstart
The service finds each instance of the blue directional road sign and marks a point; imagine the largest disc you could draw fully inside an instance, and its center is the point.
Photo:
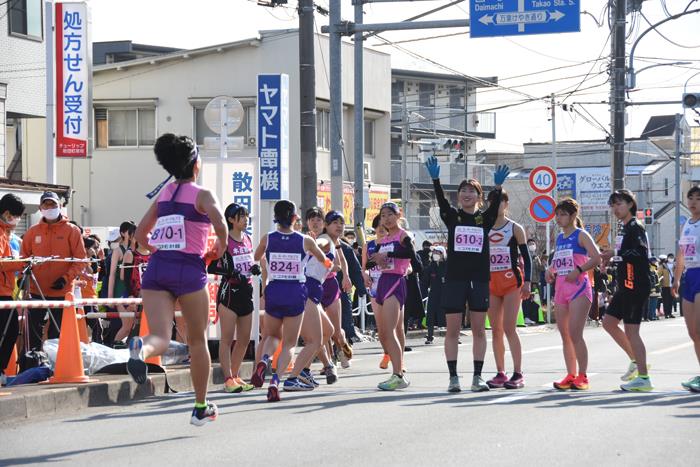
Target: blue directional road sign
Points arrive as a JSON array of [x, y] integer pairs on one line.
[[488, 18]]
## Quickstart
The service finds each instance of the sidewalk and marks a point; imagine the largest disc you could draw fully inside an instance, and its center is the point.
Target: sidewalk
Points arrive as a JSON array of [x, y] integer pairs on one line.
[[19, 403]]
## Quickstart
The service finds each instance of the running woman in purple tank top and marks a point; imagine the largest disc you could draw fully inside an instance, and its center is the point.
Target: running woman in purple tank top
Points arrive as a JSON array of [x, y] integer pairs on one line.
[[179, 222], [285, 292]]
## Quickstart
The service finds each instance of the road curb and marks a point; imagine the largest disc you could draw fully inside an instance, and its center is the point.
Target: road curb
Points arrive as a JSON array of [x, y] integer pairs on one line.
[[33, 401]]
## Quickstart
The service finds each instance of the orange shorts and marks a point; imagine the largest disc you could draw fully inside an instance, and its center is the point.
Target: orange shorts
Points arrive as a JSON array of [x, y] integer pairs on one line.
[[503, 282]]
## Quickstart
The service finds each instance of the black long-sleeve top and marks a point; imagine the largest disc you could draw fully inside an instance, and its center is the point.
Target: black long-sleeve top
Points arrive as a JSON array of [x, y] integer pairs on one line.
[[633, 271], [461, 265]]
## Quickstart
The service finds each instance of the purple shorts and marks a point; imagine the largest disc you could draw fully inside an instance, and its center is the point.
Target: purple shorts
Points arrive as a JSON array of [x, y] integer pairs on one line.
[[391, 285], [314, 290], [331, 292], [174, 272], [285, 299]]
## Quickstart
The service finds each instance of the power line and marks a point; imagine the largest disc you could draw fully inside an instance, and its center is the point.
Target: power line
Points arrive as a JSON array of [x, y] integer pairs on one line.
[[656, 30]]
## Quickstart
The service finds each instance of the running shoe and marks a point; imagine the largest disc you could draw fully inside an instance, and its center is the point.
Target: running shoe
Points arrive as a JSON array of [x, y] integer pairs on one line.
[[690, 382], [384, 364], [393, 383], [638, 384], [3, 379], [136, 367], [245, 386], [631, 372], [580, 383], [232, 385], [200, 416], [344, 361], [306, 377], [294, 384], [347, 350], [565, 383], [517, 381], [273, 393], [478, 384], [454, 384], [258, 378], [497, 381], [331, 374], [694, 385], [429, 341]]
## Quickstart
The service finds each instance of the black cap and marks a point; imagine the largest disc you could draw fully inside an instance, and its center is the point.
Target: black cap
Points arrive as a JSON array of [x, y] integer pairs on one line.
[[49, 195]]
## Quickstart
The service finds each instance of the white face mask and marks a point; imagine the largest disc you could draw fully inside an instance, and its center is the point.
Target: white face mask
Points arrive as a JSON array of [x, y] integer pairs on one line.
[[12, 222], [437, 257], [532, 248], [51, 214]]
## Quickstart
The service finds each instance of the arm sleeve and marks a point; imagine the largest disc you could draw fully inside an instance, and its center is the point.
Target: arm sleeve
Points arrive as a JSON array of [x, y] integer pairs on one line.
[[525, 253], [220, 266], [405, 250], [638, 248], [491, 212], [447, 212]]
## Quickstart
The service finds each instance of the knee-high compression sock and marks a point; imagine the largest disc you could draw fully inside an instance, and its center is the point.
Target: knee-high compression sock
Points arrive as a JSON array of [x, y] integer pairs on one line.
[[452, 366], [478, 366]]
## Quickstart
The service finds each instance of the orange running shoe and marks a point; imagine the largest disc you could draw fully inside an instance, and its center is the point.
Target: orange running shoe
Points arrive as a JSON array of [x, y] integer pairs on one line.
[[580, 383], [384, 364], [565, 383]]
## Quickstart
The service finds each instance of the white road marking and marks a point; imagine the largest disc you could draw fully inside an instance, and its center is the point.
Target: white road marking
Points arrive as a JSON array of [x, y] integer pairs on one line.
[[671, 349], [542, 349]]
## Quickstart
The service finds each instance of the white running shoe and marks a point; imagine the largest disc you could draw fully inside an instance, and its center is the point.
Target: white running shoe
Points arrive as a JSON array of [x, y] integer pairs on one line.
[[638, 384]]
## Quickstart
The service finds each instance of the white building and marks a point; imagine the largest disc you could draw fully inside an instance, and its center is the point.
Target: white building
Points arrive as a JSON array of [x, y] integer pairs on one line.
[[136, 100]]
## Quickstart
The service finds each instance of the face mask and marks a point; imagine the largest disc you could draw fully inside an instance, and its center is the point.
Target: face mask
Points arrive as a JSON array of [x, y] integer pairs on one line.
[[532, 248], [436, 257], [51, 214], [12, 222]]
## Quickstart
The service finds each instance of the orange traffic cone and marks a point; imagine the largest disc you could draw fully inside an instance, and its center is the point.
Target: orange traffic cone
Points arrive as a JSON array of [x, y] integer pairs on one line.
[[69, 360], [11, 369], [82, 327], [276, 357], [144, 331]]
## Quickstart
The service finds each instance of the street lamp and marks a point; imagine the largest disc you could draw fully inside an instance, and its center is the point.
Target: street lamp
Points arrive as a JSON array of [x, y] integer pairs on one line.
[[632, 75]]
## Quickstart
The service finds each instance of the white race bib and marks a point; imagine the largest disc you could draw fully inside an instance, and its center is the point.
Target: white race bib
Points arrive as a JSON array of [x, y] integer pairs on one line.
[[469, 239], [618, 242], [563, 261], [387, 248], [169, 233], [500, 258], [285, 266], [243, 263], [687, 245]]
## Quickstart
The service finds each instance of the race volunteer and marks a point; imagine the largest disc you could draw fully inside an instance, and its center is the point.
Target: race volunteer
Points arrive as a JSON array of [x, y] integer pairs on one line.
[[52, 236]]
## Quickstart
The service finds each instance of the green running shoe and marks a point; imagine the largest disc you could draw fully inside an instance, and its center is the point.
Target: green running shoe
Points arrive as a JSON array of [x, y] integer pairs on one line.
[[393, 383], [638, 384], [693, 384]]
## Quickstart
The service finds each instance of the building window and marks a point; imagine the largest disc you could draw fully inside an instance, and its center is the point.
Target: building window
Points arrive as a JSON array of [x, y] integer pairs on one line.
[[124, 127], [25, 18], [323, 118], [369, 138], [247, 129]]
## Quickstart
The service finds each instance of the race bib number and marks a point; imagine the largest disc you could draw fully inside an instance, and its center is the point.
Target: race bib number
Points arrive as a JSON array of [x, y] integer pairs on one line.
[[469, 239], [387, 248], [500, 258], [618, 243], [243, 263], [169, 233], [285, 266], [688, 247], [563, 261]]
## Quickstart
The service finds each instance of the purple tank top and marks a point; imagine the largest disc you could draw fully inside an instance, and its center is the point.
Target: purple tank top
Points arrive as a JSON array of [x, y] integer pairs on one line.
[[180, 227], [285, 256], [392, 243]]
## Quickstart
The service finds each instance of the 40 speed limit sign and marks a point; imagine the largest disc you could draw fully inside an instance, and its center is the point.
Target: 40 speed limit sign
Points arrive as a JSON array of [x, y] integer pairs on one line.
[[543, 179]]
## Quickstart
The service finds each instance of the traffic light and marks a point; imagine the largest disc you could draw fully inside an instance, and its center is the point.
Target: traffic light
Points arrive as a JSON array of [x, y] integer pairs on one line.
[[453, 145], [648, 216], [691, 100]]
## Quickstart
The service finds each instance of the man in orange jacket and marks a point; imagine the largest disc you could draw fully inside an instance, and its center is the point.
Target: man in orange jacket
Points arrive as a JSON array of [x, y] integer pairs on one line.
[[52, 236], [11, 210]]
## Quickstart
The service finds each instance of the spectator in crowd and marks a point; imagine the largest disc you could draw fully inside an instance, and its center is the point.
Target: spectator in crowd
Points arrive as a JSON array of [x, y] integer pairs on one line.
[[435, 272], [116, 285], [11, 210], [88, 280], [355, 276], [675, 300], [655, 295], [52, 236], [544, 261], [425, 256], [537, 267], [666, 280]]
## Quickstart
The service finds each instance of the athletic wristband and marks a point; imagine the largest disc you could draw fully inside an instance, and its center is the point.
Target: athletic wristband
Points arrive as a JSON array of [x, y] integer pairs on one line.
[[579, 269]]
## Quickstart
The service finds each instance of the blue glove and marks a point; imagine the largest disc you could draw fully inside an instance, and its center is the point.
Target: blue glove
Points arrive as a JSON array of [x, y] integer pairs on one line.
[[500, 175], [433, 167]]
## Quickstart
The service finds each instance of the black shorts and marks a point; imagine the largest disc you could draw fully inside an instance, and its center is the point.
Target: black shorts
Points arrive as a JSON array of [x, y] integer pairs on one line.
[[628, 306], [237, 298], [458, 295]]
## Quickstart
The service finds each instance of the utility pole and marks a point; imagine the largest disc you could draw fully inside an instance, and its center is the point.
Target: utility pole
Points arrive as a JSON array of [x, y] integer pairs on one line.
[[404, 163], [553, 111], [336, 115], [359, 208], [678, 139], [307, 92], [618, 94]]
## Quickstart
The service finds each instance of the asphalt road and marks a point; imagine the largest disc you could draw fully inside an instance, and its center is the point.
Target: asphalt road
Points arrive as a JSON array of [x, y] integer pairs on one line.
[[352, 423]]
